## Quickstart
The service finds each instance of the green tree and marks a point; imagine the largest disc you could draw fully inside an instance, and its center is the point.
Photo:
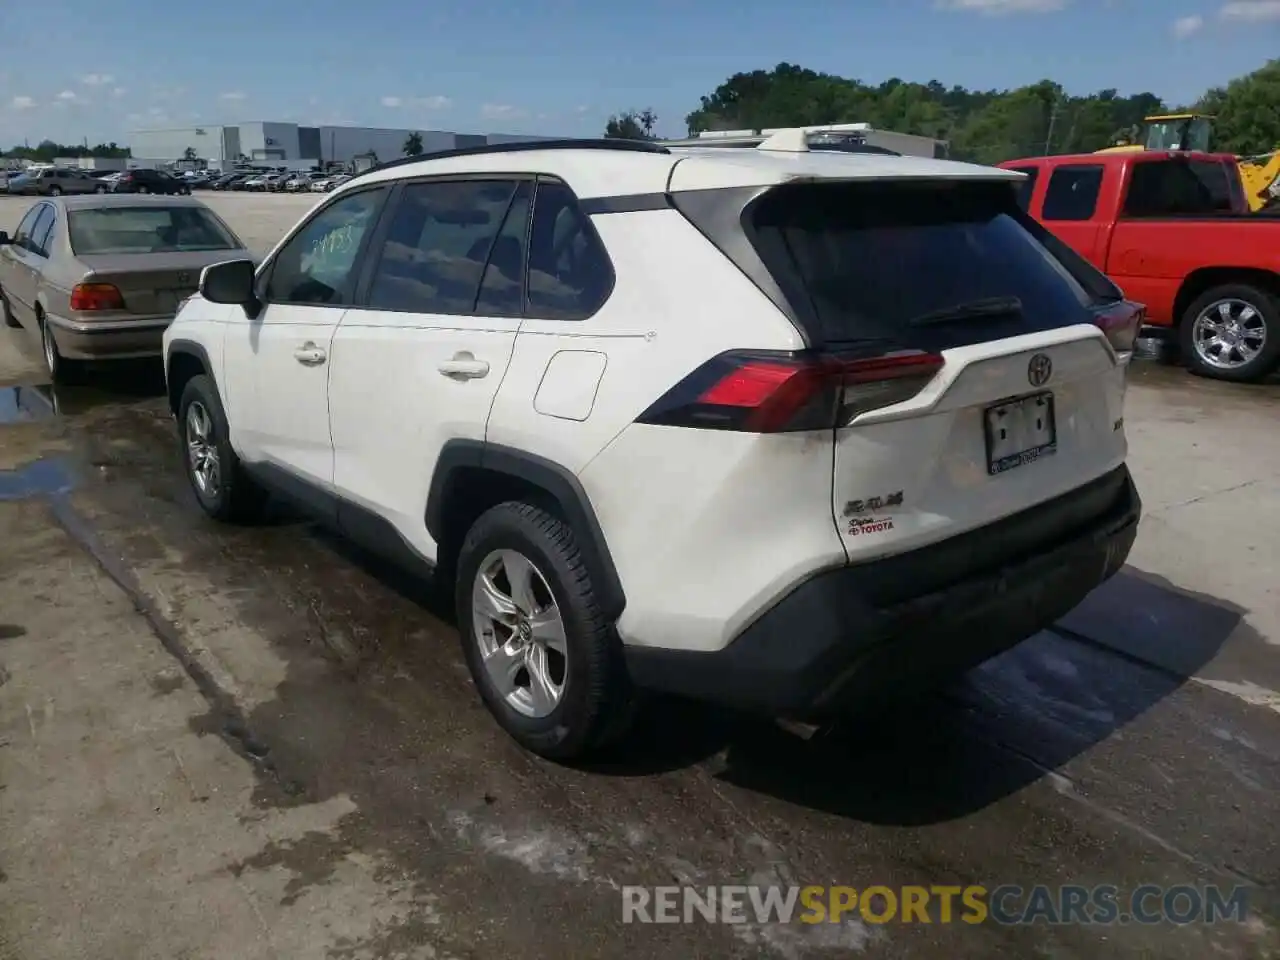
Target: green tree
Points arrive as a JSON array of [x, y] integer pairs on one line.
[[631, 125], [1247, 112], [413, 145]]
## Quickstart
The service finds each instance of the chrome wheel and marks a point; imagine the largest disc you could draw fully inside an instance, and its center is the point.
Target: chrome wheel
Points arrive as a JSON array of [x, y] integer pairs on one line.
[[1229, 333], [520, 633], [202, 451]]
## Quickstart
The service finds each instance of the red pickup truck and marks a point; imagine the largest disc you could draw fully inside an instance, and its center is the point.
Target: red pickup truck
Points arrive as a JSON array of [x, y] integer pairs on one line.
[[1173, 231]]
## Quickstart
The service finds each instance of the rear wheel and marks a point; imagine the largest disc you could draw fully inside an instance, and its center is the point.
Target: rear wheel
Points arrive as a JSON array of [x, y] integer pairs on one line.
[[7, 314], [61, 370], [547, 663], [55, 191], [222, 488], [144, 189], [99, 189], [1231, 332]]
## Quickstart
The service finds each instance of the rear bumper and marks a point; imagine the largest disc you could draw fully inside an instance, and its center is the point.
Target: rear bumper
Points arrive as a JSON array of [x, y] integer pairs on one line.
[[863, 635], [109, 339]]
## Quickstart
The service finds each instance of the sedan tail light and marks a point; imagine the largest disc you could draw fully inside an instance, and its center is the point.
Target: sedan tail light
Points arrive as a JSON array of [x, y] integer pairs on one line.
[[91, 297]]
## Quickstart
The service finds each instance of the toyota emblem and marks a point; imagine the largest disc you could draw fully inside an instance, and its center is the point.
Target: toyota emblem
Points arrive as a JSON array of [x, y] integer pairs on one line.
[[1039, 370]]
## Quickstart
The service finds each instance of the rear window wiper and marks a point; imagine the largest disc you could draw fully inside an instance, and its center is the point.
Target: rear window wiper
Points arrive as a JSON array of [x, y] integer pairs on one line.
[[972, 310]]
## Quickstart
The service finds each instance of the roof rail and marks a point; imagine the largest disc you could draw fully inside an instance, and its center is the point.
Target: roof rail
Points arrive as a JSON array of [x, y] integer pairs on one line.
[[791, 140], [630, 146]]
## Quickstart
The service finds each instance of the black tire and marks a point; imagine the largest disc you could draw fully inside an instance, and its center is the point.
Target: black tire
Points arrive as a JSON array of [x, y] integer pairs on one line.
[[60, 369], [55, 191], [235, 498], [144, 189], [1268, 308], [6, 313], [99, 189], [597, 703]]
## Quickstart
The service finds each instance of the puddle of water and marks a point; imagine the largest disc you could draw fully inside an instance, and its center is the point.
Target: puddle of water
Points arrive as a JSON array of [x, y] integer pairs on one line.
[[48, 477], [21, 404]]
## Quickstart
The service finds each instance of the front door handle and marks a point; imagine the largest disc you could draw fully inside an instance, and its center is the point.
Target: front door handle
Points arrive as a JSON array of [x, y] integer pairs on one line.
[[464, 366], [309, 354]]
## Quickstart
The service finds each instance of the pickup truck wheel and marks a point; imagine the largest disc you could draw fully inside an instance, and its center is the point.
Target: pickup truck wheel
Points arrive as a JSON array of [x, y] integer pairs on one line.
[[222, 488], [1231, 332], [546, 662]]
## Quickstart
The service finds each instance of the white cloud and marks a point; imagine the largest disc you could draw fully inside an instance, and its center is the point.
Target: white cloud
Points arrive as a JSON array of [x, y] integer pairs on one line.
[[501, 111], [998, 7], [96, 79], [119, 92], [67, 96], [426, 103], [232, 96], [1251, 11], [1186, 26], [22, 103], [581, 109]]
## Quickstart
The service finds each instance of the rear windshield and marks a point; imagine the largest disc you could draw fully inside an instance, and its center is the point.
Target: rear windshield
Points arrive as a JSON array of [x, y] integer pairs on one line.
[[147, 230], [871, 261]]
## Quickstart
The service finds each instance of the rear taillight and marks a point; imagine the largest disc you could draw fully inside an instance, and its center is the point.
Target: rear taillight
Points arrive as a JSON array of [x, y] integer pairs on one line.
[[760, 392], [1121, 323], [88, 297]]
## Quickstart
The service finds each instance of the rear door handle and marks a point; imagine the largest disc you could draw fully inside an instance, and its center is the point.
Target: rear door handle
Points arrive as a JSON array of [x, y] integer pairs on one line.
[[464, 366], [309, 354]]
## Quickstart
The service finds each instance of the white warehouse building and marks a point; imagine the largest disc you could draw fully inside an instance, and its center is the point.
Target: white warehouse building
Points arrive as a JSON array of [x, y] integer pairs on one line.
[[288, 144]]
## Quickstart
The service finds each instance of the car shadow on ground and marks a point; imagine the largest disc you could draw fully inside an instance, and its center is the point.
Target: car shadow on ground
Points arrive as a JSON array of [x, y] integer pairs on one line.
[[96, 385], [1012, 721]]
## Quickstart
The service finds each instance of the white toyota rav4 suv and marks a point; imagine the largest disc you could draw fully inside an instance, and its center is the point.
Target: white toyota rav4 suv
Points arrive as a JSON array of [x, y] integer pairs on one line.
[[791, 431]]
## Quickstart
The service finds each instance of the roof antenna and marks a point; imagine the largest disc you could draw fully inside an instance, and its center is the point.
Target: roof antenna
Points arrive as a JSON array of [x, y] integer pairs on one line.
[[789, 140]]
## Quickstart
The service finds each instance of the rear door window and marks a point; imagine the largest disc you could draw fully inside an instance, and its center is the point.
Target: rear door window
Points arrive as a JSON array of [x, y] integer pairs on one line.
[[40, 230], [898, 262], [1178, 188], [1072, 193]]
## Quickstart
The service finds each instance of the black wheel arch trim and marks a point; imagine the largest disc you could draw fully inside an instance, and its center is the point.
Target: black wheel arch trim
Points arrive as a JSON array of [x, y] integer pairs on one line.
[[191, 349], [562, 486]]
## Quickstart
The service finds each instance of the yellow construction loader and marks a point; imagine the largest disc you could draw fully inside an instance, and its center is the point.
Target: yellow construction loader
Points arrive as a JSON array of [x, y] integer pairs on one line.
[[1259, 175]]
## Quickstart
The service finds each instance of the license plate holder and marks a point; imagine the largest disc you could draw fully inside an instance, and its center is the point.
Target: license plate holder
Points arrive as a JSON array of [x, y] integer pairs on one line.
[[1019, 431]]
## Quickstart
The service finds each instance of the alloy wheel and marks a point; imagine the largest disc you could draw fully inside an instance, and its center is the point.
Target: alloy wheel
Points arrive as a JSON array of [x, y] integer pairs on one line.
[[202, 450], [518, 627]]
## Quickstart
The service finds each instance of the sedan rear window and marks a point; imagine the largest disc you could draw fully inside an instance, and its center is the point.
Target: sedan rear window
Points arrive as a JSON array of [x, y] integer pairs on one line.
[[929, 265], [149, 229]]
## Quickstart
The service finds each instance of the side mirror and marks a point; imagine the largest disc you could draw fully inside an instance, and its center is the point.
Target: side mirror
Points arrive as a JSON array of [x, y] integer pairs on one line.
[[229, 282], [4, 239]]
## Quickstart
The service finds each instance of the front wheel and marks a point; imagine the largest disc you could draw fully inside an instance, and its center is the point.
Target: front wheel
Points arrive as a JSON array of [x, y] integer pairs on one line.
[[1231, 332], [99, 189], [547, 663], [222, 488]]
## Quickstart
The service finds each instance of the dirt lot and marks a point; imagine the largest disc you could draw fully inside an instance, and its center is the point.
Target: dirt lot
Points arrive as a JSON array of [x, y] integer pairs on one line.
[[255, 743]]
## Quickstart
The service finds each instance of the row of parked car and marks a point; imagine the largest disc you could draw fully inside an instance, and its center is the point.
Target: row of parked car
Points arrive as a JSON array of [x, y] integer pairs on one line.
[[270, 182], [60, 181]]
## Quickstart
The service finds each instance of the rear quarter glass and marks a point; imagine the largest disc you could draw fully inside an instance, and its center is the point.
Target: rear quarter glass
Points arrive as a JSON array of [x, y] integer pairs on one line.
[[858, 262]]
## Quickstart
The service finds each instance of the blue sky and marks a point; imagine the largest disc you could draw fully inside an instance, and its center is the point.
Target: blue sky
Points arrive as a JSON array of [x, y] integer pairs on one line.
[[562, 66]]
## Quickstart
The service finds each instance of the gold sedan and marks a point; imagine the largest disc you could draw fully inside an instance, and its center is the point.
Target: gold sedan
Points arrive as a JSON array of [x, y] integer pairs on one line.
[[101, 277]]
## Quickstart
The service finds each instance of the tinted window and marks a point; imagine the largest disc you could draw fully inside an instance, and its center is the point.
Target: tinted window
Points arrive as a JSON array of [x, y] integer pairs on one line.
[[502, 287], [147, 230], [28, 221], [1072, 193], [316, 265], [42, 231], [437, 244], [1178, 187], [869, 261], [1028, 186], [570, 275]]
